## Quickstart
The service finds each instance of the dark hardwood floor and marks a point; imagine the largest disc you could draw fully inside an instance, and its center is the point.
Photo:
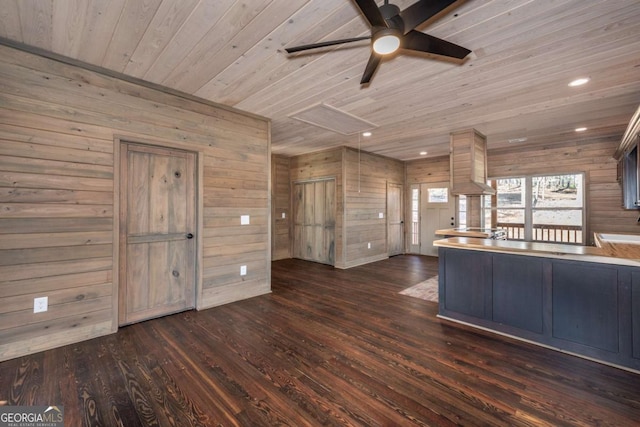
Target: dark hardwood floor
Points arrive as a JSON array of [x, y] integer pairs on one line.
[[327, 347]]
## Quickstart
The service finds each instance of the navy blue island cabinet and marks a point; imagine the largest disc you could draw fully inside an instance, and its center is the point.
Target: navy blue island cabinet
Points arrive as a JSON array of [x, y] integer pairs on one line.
[[589, 309]]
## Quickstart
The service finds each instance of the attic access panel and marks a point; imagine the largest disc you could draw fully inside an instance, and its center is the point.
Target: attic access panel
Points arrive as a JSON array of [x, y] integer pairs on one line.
[[333, 119]]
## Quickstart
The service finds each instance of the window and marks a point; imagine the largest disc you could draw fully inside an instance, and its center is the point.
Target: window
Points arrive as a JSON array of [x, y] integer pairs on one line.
[[488, 212], [438, 195], [415, 216], [557, 208], [485, 217], [462, 211], [510, 206], [547, 208]]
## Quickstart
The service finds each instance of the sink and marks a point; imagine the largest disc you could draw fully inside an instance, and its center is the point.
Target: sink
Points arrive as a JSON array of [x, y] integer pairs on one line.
[[630, 239]]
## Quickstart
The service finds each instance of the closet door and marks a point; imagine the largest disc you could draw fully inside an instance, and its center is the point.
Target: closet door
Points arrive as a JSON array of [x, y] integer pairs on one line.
[[314, 215]]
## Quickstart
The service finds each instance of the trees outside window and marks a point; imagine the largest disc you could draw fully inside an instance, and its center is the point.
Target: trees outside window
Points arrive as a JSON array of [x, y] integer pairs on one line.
[[546, 208]]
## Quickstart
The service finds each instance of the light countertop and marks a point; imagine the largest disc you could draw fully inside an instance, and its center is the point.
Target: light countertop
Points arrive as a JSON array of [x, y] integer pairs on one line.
[[609, 253], [467, 232]]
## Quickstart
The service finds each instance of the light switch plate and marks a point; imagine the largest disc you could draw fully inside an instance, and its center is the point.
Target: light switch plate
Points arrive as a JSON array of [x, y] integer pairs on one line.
[[243, 270], [284, 215], [244, 220], [381, 215]]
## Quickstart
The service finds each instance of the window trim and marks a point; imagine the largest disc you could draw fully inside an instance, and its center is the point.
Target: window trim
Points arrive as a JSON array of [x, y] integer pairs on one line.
[[529, 209]]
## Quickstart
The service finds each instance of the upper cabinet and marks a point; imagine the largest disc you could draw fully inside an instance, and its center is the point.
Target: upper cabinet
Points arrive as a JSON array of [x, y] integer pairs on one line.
[[629, 164], [630, 179]]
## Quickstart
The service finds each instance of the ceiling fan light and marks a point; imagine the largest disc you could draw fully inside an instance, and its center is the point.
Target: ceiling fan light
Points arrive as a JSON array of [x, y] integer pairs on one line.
[[386, 41]]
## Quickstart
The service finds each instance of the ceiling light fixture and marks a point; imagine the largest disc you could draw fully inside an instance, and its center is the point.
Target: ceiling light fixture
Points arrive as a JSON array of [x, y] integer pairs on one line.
[[516, 140], [366, 133], [386, 41], [581, 129], [423, 153], [579, 82]]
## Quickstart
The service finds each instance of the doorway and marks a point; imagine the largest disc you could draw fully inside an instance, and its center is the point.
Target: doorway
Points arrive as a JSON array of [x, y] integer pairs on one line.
[[314, 220], [437, 211], [157, 226]]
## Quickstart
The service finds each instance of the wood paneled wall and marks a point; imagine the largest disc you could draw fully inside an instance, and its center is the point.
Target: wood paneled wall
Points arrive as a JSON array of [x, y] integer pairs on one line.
[[593, 157], [280, 206], [429, 170], [360, 197], [59, 130], [324, 164], [366, 177]]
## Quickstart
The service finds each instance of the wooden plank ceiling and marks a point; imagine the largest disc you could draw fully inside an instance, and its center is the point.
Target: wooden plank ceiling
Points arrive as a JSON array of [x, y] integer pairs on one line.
[[514, 84]]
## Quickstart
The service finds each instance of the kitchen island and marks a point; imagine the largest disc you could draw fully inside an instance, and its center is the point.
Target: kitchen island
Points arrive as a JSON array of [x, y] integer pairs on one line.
[[577, 299]]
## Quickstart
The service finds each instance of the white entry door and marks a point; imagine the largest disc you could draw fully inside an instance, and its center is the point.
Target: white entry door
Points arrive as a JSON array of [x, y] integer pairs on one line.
[[437, 211]]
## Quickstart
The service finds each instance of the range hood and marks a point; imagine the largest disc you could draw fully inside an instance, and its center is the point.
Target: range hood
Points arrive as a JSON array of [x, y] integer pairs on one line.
[[468, 163]]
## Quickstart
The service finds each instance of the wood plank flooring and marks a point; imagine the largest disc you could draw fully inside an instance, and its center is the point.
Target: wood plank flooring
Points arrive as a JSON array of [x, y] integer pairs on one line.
[[327, 347]]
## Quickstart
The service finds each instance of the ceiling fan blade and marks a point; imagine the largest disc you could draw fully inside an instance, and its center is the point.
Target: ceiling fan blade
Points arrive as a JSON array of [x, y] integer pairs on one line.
[[324, 44], [423, 10], [370, 10], [421, 42], [372, 66]]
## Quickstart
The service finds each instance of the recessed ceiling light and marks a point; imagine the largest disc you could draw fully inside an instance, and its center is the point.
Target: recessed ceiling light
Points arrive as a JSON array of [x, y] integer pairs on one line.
[[423, 153], [579, 82], [516, 140], [366, 133], [581, 129]]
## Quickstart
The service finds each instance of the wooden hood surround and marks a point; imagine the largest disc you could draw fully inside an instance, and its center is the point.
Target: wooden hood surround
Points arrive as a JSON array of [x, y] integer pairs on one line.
[[468, 157]]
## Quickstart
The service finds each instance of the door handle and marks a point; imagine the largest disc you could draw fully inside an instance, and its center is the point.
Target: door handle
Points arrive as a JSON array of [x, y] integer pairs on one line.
[[190, 236]]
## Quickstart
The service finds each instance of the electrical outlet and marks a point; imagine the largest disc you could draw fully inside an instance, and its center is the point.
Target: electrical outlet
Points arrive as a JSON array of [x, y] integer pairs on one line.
[[243, 270], [244, 220], [284, 215], [380, 215], [368, 245], [40, 304]]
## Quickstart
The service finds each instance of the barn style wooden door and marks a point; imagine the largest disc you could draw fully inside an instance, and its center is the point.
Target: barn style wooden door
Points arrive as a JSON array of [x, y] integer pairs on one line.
[[395, 222], [157, 222], [314, 221]]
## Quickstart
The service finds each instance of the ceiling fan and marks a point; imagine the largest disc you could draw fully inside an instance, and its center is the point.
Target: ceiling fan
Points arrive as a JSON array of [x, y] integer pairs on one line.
[[393, 29]]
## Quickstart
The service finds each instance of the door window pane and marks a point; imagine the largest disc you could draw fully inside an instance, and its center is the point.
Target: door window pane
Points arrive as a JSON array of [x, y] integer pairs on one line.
[[438, 195]]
